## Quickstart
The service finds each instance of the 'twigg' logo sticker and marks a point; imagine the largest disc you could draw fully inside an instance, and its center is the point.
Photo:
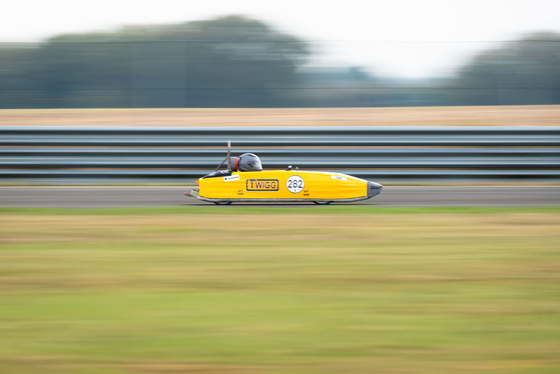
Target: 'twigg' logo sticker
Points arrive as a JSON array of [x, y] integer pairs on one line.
[[262, 184]]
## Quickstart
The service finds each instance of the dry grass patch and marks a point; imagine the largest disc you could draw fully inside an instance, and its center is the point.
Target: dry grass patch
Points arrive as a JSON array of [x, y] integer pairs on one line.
[[526, 115]]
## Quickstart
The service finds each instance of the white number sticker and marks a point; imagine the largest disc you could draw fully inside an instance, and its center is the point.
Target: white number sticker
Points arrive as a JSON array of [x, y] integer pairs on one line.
[[295, 184]]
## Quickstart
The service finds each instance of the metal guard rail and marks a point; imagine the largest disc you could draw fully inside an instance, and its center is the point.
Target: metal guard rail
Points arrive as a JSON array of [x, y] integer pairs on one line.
[[180, 155]]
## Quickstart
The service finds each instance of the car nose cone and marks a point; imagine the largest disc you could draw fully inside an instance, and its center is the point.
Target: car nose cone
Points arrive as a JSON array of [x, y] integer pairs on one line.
[[373, 189]]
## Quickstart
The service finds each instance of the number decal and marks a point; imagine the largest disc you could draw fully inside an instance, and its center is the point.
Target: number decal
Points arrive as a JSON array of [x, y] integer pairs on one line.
[[295, 184]]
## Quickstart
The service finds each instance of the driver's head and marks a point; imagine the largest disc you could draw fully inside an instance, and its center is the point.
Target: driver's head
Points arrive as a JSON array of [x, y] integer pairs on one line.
[[249, 162]]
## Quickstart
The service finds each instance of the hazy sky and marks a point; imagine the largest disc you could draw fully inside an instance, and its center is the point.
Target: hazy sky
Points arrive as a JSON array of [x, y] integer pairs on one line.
[[412, 38]]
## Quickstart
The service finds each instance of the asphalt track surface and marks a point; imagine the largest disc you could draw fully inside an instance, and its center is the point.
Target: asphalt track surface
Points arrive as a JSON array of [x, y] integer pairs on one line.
[[113, 197]]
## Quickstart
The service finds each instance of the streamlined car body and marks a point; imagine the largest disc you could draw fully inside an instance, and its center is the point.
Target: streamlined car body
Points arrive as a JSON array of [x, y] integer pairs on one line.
[[245, 181]]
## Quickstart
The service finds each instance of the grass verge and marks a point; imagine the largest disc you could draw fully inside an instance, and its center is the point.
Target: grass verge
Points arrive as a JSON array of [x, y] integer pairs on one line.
[[271, 290], [280, 209]]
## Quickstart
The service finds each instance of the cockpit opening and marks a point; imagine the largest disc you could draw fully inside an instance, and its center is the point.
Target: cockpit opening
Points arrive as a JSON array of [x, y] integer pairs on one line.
[[245, 162]]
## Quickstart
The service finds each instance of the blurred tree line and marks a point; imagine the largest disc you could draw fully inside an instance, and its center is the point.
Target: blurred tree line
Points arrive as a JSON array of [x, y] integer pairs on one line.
[[239, 62], [520, 72]]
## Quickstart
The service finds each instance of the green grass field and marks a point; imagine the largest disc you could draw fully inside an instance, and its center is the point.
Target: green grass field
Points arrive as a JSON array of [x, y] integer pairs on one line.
[[273, 290]]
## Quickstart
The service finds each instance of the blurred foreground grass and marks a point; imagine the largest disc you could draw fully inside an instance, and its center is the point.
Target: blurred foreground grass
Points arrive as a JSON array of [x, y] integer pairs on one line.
[[315, 291]]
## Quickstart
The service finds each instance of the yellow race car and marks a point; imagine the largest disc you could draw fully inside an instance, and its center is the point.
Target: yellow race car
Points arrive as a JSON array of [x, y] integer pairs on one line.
[[246, 181]]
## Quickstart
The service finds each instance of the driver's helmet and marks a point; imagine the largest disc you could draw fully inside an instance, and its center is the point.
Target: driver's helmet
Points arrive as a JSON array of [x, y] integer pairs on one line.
[[249, 162]]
